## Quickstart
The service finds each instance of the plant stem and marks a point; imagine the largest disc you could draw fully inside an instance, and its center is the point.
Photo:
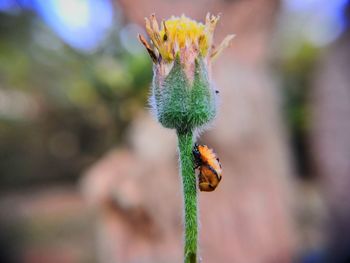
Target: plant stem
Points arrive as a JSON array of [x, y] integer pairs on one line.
[[189, 182]]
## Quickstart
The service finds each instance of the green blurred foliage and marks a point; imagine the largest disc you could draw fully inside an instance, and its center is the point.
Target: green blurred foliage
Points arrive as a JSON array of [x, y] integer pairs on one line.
[[296, 73], [61, 109]]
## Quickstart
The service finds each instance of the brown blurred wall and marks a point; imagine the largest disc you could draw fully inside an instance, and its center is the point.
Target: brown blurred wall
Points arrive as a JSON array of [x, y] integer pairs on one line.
[[331, 142]]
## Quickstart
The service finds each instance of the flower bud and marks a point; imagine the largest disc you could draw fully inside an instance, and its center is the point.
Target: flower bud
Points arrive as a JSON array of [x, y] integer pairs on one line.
[[183, 97]]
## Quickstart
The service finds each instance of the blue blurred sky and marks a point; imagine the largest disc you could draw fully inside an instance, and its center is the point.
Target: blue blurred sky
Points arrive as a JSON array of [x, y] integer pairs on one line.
[[318, 21], [83, 24]]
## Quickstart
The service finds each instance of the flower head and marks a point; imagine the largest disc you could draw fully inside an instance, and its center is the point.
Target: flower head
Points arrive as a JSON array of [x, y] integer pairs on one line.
[[182, 36], [181, 50]]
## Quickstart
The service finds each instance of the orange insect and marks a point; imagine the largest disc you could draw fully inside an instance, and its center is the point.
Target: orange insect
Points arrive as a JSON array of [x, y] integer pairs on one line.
[[210, 170]]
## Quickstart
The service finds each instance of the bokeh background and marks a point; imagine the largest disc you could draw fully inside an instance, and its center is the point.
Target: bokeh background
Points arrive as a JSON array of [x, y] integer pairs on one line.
[[87, 175]]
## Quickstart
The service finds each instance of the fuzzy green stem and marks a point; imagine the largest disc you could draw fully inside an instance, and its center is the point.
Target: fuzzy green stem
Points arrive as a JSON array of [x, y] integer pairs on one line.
[[189, 181]]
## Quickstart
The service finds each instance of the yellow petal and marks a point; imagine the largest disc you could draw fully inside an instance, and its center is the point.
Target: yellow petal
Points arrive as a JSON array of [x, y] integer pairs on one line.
[[183, 35]]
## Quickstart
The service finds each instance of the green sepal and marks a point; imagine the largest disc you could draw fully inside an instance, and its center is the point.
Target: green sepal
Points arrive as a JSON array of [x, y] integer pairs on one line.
[[203, 105], [182, 105]]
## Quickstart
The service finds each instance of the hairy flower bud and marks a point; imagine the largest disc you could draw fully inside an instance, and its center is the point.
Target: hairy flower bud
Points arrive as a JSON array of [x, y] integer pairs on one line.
[[182, 49]]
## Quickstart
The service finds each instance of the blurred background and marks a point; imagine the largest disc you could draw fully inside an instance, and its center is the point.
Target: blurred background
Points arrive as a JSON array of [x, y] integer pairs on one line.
[[87, 175]]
